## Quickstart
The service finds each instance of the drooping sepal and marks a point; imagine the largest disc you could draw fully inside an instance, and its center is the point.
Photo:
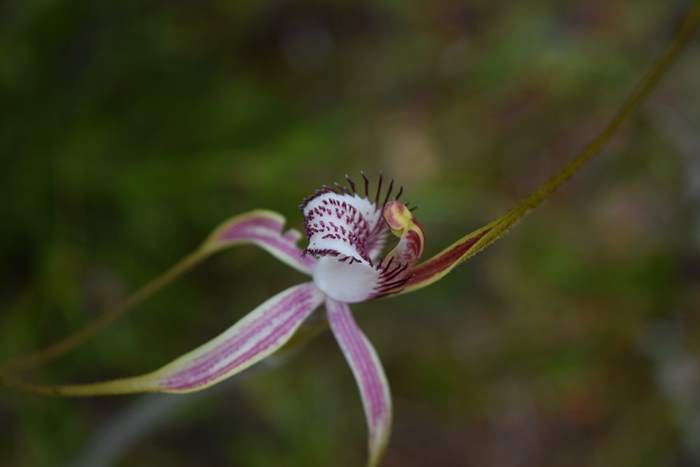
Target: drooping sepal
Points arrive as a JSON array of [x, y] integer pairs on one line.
[[369, 375], [258, 335], [259, 227]]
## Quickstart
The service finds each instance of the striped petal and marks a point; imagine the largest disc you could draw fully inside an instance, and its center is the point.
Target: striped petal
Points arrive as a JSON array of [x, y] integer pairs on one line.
[[369, 374], [264, 229], [260, 227], [435, 268], [256, 336]]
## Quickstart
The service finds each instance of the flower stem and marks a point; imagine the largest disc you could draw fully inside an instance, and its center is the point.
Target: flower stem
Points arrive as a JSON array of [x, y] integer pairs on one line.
[[469, 245], [593, 148], [639, 94], [57, 349]]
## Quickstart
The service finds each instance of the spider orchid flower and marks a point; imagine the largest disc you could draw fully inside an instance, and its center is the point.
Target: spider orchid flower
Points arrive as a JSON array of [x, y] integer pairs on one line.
[[346, 228]]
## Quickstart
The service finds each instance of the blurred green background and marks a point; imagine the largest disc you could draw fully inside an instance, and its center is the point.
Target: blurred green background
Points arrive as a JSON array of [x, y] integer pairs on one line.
[[129, 129]]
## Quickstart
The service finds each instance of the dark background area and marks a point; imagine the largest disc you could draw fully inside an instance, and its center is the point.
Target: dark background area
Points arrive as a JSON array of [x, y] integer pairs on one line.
[[129, 129]]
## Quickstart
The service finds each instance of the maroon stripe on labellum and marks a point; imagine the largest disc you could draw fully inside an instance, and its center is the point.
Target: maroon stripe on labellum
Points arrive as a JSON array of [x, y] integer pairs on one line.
[[315, 195], [353, 228], [331, 218], [394, 272], [391, 287], [392, 278], [337, 219], [322, 252]]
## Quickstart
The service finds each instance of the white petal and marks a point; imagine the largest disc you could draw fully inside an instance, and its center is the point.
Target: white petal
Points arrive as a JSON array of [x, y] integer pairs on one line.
[[343, 281]]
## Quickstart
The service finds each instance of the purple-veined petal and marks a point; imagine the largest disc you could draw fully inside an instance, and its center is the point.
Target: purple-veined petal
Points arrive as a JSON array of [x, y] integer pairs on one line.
[[265, 229], [369, 375], [259, 334], [260, 227]]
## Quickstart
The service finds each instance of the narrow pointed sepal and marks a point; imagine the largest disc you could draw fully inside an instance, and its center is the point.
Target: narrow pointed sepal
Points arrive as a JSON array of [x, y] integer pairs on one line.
[[265, 229], [437, 267], [369, 374], [259, 334], [441, 264], [260, 227]]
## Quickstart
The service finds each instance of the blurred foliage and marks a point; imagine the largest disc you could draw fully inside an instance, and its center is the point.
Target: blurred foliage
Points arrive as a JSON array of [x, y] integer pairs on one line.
[[129, 129]]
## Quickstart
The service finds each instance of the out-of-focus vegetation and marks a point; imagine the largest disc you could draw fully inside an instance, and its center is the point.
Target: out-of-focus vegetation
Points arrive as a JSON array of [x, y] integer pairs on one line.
[[129, 129]]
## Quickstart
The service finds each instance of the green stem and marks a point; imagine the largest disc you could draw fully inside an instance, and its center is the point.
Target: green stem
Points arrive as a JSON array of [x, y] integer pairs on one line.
[[442, 263], [57, 349], [303, 336], [592, 149]]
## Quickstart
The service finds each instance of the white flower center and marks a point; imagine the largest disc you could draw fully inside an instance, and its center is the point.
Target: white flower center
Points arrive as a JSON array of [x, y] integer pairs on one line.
[[347, 232], [343, 281]]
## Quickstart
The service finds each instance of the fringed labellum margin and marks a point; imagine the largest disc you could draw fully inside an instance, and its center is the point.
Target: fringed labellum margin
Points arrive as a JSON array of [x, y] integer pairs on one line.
[[347, 231]]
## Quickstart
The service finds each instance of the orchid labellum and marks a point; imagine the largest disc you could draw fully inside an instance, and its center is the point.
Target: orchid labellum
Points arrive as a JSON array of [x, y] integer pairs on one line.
[[348, 229]]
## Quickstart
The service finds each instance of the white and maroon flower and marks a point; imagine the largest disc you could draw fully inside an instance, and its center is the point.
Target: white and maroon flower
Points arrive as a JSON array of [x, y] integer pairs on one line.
[[347, 230]]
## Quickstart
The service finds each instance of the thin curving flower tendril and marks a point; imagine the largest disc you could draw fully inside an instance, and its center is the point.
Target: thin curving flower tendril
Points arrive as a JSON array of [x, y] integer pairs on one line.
[[347, 226]]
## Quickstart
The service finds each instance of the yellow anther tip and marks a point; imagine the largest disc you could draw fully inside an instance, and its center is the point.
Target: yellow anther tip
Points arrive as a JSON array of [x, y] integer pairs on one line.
[[397, 216]]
